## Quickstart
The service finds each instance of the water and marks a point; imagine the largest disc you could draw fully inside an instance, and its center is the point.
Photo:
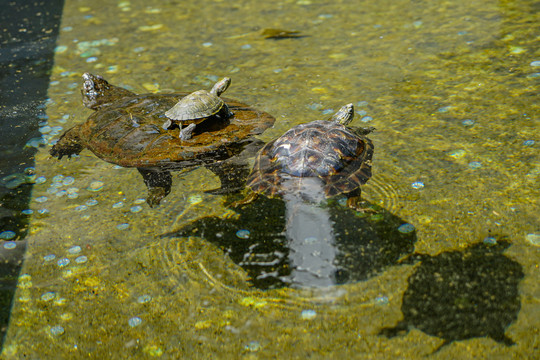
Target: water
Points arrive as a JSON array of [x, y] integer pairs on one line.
[[435, 79], [26, 56]]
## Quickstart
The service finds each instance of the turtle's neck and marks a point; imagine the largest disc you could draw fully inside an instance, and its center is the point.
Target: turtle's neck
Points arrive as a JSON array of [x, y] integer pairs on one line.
[[310, 234]]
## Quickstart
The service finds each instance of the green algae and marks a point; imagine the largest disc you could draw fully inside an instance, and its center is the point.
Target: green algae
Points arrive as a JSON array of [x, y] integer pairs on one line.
[[420, 70]]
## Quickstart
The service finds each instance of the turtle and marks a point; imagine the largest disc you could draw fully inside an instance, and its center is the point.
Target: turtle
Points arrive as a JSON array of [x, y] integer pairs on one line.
[[126, 129], [325, 154], [458, 295], [197, 107]]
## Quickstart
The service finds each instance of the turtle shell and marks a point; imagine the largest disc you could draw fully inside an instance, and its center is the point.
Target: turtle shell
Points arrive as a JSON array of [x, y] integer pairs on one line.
[[196, 106], [328, 150], [129, 132]]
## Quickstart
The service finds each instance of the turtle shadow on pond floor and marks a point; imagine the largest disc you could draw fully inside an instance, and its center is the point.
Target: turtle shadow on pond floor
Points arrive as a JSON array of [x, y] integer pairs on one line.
[[360, 245], [459, 295]]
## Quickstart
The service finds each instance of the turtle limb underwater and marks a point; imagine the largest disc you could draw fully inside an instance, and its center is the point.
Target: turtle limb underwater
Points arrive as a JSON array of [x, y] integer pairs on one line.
[[158, 183], [126, 129], [197, 107]]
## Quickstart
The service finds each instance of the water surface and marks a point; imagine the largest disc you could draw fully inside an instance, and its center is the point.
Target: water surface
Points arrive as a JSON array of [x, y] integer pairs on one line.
[[452, 89]]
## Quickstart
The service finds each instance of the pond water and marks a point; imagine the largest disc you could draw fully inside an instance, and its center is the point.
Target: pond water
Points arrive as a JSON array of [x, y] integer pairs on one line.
[[452, 90]]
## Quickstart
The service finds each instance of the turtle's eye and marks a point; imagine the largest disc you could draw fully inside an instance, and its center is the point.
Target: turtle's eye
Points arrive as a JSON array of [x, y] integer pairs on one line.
[[88, 85]]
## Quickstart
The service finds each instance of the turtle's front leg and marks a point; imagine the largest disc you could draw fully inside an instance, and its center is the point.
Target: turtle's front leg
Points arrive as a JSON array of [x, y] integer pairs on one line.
[[187, 132], [158, 183], [69, 144], [355, 202], [231, 174]]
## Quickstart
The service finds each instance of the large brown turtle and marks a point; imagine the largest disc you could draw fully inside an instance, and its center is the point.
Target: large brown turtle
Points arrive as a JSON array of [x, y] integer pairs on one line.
[[320, 157], [126, 129]]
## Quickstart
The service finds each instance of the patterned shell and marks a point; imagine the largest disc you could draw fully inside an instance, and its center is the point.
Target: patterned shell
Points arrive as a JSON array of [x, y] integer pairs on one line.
[[128, 132], [324, 149], [197, 105]]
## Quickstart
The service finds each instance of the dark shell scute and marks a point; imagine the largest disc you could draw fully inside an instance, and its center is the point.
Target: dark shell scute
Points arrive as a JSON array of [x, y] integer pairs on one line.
[[320, 149], [139, 139]]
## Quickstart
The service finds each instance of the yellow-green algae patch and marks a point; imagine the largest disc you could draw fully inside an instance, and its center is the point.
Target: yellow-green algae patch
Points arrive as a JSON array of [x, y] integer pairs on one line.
[[420, 70]]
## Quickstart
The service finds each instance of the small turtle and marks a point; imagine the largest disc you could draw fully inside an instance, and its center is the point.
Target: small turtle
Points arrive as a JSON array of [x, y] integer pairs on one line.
[[325, 154], [125, 129], [197, 107]]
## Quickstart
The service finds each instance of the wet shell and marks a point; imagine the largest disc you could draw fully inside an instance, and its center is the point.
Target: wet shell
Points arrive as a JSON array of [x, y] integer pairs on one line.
[[197, 105], [126, 128], [129, 133], [336, 154]]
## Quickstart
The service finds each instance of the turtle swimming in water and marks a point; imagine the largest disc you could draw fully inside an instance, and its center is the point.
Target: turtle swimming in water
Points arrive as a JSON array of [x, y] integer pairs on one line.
[[126, 129], [307, 164], [197, 107], [323, 156]]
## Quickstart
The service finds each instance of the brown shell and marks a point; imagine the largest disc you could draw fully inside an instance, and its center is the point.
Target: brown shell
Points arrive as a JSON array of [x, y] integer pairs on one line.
[[129, 132], [197, 105], [336, 154]]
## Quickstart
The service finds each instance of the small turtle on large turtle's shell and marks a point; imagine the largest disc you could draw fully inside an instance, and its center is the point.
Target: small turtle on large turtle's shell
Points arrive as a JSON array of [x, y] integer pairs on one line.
[[197, 107], [326, 154], [126, 129]]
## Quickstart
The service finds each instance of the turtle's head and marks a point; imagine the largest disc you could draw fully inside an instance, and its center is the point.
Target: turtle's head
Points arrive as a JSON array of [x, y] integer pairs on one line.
[[220, 87], [96, 91], [344, 115]]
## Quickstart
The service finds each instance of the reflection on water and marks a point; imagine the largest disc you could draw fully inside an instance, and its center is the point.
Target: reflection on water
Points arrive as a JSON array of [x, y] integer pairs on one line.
[[274, 252], [452, 88]]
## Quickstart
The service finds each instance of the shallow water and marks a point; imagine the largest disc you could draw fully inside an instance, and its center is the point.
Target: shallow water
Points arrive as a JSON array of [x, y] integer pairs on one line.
[[452, 89]]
